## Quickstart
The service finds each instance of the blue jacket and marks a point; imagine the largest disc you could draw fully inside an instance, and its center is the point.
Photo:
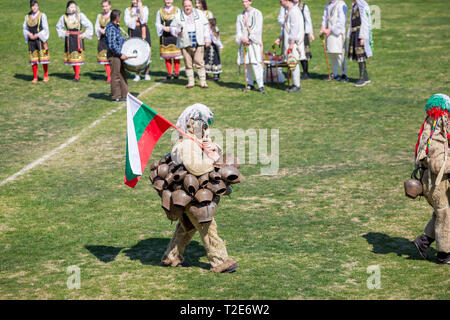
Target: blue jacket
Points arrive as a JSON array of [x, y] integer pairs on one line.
[[114, 39]]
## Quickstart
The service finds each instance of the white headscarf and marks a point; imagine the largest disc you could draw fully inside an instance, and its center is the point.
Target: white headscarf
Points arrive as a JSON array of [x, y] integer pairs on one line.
[[197, 111]]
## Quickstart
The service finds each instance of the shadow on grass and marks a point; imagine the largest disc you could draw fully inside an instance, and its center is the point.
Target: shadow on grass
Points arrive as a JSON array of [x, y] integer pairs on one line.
[[149, 252], [25, 77], [106, 96], [384, 244]]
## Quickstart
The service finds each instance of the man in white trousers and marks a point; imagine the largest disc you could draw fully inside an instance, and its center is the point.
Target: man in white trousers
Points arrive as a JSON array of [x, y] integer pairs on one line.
[[292, 36], [334, 20], [249, 26]]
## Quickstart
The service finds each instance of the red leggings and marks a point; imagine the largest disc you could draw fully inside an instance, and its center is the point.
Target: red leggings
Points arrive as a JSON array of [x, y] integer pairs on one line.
[[35, 70], [169, 66], [77, 71]]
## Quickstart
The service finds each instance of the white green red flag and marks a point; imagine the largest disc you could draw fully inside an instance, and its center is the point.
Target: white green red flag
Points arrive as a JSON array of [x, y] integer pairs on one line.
[[144, 128]]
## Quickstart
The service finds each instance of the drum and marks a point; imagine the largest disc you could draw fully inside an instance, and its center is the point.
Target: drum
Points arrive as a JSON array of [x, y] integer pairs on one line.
[[140, 52]]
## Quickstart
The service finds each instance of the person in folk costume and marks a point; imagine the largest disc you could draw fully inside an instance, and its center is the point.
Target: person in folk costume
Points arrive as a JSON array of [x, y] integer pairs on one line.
[[69, 28], [168, 43], [136, 18], [190, 26], [249, 27], [114, 43], [100, 26], [432, 160], [309, 36], [360, 35], [292, 36], [309, 33], [213, 63], [36, 33], [334, 20], [195, 121]]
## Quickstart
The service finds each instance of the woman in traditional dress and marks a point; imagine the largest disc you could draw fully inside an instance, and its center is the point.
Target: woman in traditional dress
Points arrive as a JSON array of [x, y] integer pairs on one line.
[[136, 18], [69, 28], [360, 35], [100, 26], [36, 34], [168, 43], [213, 64]]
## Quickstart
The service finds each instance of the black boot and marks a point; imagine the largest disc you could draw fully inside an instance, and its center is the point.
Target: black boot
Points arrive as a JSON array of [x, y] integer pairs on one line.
[[443, 258], [361, 82], [366, 75], [422, 243], [305, 75]]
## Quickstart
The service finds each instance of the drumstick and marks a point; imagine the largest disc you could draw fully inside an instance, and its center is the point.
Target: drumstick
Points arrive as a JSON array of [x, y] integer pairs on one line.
[[131, 57]]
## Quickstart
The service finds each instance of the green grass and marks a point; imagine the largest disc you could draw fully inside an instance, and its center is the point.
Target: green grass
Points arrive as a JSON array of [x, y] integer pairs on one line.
[[335, 207]]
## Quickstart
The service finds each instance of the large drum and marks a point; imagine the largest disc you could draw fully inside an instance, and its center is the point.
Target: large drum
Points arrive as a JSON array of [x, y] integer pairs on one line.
[[140, 51]]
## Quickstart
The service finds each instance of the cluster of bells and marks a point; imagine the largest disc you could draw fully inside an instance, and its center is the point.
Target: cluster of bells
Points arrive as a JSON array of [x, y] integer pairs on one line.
[[179, 189]]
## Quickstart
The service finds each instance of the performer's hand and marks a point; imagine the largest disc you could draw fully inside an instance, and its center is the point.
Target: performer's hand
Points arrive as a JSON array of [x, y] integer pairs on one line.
[[361, 42], [82, 36], [278, 41], [322, 30], [245, 40], [311, 37], [123, 57], [207, 44], [102, 31], [214, 156], [67, 34], [327, 32], [209, 145]]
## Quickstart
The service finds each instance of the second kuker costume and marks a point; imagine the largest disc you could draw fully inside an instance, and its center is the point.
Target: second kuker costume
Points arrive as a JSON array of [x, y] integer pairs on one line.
[[431, 177]]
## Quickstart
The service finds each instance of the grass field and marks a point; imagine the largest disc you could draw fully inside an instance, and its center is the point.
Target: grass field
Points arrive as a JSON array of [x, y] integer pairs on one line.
[[335, 207]]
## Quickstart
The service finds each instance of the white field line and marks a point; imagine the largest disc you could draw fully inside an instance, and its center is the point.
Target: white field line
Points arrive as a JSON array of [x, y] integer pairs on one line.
[[75, 138]]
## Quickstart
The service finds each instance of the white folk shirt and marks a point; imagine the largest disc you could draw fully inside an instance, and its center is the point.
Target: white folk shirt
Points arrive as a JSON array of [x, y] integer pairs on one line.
[[306, 15], [335, 18], [84, 21], [44, 34], [195, 22], [254, 19], [131, 17], [294, 29]]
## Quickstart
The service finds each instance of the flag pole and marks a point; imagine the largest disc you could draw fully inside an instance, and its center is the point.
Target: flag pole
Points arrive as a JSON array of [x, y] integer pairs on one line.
[[187, 136]]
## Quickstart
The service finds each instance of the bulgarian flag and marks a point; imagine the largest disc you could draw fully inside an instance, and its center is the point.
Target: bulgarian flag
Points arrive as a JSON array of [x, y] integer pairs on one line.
[[144, 128]]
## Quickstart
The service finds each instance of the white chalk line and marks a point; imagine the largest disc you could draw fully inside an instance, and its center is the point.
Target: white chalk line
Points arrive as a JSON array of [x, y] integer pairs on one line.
[[73, 139]]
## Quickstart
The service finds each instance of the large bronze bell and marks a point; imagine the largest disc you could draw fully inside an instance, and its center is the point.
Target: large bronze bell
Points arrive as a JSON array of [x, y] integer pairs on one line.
[[413, 188], [181, 198], [217, 187], [163, 170], [203, 212], [191, 184], [204, 195]]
